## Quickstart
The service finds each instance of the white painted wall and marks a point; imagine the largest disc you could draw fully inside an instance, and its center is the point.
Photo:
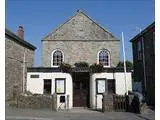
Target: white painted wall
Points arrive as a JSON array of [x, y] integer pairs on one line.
[[35, 85], [120, 83], [96, 100]]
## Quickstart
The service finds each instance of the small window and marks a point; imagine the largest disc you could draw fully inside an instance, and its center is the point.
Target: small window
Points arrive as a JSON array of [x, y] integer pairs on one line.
[[60, 85], [139, 49], [34, 76], [47, 86], [111, 85]]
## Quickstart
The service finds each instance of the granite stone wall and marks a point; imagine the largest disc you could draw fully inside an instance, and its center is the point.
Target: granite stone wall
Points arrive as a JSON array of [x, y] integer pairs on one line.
[[149, 61], [76, 51], [17, 59], [80, 38]]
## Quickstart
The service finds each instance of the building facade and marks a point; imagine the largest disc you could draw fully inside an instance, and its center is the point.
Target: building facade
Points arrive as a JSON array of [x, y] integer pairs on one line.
[[79, 39], [143, 46], [19, 55]]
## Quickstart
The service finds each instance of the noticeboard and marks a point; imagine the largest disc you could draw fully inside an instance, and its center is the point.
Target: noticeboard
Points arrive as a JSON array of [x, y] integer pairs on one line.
[[101, 85], [60, 86]]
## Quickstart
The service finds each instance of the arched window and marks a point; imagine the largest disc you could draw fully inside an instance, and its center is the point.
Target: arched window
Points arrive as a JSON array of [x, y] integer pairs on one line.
[[57, 58], [104, 57]]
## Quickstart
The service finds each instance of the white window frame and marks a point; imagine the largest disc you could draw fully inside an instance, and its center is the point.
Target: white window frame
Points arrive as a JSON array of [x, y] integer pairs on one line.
[[109, 58], [52, 57]]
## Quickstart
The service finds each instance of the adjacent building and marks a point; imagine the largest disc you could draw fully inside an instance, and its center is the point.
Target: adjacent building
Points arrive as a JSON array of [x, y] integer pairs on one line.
[[143, 46], [79, 39], [19, 54]]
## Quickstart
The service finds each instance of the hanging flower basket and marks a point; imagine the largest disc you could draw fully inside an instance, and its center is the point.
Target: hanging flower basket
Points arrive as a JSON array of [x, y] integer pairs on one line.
[[66, 68], [96, 68]]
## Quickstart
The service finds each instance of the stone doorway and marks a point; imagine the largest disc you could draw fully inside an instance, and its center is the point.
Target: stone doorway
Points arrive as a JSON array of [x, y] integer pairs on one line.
[[81, 89]]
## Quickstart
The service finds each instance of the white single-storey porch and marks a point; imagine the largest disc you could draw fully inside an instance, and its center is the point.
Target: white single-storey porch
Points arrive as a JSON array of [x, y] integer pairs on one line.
[[77, 89]]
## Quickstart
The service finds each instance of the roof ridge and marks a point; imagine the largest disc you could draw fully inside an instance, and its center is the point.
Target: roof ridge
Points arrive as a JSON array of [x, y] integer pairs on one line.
[[59, 26], [17, 38], [98, 24]]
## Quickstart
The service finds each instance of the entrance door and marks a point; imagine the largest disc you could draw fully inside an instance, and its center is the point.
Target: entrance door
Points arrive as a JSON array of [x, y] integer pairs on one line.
[[80, 89]]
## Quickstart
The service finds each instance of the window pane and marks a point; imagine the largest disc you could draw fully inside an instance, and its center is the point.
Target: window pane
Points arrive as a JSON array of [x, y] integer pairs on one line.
[[111, 86], [57, 57], [47, 86], [104, 58]]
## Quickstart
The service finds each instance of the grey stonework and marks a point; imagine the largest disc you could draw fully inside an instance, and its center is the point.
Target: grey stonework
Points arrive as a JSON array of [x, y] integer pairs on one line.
[[80, 27], [147, 63], [76, 51], [17, 58], [80, 38], [107, 103]]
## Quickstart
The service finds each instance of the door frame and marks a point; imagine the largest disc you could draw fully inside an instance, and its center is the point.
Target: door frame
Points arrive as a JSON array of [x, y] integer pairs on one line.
[[87, 85]]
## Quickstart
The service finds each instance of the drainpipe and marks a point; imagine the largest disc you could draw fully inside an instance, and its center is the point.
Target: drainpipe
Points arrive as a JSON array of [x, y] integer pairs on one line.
[[24, 62], [144, 68]]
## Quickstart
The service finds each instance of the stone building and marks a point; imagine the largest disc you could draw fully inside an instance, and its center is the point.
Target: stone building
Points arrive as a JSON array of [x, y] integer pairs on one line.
[[79, 39], [19, 54], [143, 46]]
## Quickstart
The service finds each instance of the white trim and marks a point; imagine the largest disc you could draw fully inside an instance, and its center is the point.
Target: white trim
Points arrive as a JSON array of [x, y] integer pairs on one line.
[[109, 57], [52, 57]]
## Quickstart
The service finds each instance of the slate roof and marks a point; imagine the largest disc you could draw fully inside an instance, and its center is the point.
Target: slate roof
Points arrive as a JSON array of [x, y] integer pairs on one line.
[[143, 32], [52, 34], [16, 38], [52, 69]]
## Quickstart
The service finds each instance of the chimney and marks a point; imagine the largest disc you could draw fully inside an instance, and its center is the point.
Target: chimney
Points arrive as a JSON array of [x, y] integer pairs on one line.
[[20, 32]]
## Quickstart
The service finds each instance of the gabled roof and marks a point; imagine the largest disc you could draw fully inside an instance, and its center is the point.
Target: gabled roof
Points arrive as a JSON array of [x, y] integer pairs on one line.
[[16, 38], [80, 27], [143, 32]]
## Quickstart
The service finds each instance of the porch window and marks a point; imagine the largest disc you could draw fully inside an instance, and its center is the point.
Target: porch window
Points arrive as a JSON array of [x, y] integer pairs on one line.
[[47, 86], [111, 85]]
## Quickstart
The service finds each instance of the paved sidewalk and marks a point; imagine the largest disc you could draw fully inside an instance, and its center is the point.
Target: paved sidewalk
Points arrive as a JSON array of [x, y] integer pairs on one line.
[[74, 114], [148, 114]]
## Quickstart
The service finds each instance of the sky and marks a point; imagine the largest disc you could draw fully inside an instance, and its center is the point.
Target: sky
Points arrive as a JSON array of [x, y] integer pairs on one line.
[[39, 17]]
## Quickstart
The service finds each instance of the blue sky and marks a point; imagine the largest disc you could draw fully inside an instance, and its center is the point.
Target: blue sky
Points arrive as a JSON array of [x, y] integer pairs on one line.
[[39, 17]]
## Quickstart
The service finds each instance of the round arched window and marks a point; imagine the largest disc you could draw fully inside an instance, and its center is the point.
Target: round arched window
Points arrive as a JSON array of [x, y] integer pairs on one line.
[[104, 57], [57, 58]]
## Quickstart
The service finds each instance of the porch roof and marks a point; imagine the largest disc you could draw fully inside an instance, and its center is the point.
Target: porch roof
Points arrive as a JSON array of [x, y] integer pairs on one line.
[[74, 69]]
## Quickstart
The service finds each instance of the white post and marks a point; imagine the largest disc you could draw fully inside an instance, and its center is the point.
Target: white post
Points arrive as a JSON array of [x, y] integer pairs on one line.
[[124, 62]]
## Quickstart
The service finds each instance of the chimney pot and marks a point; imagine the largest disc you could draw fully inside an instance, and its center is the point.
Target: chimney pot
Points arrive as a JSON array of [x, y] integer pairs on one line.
[[20, 32]]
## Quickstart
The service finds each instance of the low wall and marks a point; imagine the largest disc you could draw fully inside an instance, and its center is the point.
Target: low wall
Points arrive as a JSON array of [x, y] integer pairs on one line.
[[121, 103], [36, 101]]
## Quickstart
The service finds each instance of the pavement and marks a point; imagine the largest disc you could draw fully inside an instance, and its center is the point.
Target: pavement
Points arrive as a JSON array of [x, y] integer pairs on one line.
[[74, 114]]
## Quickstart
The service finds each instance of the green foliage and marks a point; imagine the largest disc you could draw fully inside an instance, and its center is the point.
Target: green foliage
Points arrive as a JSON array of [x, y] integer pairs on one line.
[[67, 68], [129, 64], [81, 64], [28, 93], [96, 68]]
